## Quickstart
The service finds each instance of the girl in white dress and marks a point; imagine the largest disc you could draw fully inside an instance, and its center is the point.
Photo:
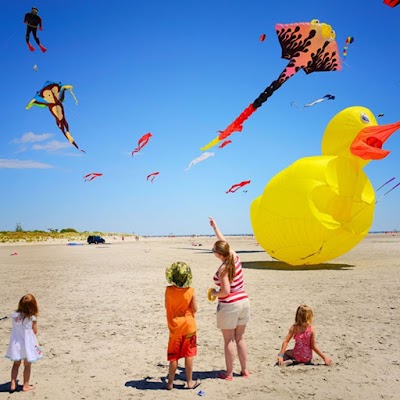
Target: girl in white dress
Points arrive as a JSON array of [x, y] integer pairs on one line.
[[23, 344]]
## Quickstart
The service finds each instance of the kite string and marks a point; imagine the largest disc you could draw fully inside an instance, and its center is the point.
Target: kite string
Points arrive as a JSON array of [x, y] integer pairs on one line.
[[390, 180], [384, 194]]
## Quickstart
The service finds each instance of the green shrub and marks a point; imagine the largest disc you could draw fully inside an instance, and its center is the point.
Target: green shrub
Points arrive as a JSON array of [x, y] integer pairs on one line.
[[68, 230]]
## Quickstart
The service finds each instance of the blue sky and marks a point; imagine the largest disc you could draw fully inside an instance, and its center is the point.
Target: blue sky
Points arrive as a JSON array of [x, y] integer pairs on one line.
[[181, 70]]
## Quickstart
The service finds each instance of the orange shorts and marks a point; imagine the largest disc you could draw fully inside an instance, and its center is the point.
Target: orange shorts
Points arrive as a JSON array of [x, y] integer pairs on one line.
[[182, 346]]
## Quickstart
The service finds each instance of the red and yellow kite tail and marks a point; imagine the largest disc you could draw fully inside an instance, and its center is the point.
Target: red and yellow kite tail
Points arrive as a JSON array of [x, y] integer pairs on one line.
[[237, 124]]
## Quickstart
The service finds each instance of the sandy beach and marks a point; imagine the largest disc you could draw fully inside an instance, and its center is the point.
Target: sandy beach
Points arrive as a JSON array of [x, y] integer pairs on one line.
[[103, 331]]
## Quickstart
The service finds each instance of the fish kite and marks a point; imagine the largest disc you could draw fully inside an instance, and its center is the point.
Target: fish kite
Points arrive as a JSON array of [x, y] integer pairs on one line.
[[203, 157], [91, 176], [349, 40], [52, 96], [152, 175], [326, 97], [237, 186], [262, 37], [392, 3], [308, 46], [224, 143], [142, 142]]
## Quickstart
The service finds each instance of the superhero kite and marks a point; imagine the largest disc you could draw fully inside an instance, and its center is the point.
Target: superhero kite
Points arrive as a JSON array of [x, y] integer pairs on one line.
[[32, 21]]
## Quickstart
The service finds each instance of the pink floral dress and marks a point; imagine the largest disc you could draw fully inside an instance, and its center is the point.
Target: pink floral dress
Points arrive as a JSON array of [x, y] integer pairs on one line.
[[302, 351]]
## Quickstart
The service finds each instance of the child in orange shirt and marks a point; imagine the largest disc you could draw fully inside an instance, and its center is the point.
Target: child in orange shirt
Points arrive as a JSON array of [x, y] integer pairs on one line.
[[181, 305]]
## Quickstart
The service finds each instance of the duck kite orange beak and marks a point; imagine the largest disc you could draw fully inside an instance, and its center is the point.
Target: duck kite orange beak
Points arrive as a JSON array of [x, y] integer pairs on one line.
[[369, 141]]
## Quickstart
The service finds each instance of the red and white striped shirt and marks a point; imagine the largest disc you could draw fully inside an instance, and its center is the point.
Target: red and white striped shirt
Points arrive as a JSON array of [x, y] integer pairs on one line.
[[237, 292]]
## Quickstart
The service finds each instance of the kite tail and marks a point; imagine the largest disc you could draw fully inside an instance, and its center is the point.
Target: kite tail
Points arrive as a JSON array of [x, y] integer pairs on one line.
[[263, 97], [235, 126]]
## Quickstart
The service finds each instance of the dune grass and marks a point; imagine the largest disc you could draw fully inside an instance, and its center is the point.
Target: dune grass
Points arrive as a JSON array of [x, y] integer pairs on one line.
[[42, 236]]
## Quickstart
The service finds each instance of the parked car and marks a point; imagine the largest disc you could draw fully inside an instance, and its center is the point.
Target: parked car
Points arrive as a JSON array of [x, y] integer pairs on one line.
[[95, 239]]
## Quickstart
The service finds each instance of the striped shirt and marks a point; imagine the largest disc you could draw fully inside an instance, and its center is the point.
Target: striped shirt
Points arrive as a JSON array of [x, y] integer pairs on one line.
[[237, 292]]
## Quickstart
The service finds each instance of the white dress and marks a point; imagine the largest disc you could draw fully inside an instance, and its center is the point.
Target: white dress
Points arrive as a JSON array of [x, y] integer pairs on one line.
[[23, 343]]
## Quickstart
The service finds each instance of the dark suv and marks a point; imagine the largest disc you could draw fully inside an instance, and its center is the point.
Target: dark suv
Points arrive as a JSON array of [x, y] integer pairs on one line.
[[95, 239]]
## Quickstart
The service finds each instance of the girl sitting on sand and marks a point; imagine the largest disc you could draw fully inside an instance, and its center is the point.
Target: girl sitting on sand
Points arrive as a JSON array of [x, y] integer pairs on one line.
[[304, 336], [23, 344]]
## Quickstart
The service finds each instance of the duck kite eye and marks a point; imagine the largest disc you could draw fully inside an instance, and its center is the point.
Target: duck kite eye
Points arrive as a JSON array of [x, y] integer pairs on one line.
[[365, 119], [315, 21]]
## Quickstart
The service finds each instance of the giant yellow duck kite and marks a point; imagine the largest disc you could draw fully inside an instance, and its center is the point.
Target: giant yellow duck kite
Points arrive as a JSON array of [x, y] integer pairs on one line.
[[320, 207]]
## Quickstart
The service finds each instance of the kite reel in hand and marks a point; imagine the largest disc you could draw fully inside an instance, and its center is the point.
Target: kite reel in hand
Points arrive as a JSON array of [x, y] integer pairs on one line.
[[210, 297]]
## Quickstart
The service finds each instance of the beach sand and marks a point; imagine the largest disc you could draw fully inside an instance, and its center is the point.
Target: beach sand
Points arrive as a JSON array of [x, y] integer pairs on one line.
[[102, 324]]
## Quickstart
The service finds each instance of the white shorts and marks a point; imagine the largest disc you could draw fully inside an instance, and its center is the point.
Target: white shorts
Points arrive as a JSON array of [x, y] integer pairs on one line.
[[229, 316]]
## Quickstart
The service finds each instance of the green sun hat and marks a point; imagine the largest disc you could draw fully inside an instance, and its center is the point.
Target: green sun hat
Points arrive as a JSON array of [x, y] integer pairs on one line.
[[179, 274]]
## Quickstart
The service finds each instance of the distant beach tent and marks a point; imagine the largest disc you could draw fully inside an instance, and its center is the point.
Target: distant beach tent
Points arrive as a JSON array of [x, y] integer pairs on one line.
[[392, 3]]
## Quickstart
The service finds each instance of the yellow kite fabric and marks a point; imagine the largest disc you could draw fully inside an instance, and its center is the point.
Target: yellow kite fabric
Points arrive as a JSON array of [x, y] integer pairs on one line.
[[320, 207]]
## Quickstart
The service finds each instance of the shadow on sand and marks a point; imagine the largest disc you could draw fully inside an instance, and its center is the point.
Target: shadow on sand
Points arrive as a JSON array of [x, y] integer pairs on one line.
[[5, 388], [153, 383], [281, 266]]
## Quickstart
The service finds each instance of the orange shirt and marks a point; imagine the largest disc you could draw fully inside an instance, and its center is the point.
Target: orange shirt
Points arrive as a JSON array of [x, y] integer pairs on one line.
[[180, 316]]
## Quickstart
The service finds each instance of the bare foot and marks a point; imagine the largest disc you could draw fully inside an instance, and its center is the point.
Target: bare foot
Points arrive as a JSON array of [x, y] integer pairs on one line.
[[169, 386], [13, 386], [27, 388]]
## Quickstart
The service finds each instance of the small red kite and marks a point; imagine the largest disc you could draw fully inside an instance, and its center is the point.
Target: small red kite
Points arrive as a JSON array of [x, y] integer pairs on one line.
[[392, 3], [152, 175], [91, 176], [142, 142], [237, 186]]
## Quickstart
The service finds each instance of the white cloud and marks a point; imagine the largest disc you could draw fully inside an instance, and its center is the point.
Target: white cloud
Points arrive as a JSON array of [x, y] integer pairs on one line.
[[53, 145], [22, 164], [30, 137]]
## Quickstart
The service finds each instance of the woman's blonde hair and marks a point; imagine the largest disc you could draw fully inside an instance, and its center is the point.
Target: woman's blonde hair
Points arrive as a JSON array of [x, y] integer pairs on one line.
[[221, 247], [304, 315], [27, 306]]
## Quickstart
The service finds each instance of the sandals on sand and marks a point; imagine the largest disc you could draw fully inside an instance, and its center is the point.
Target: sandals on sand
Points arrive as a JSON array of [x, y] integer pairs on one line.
[[197, 383]]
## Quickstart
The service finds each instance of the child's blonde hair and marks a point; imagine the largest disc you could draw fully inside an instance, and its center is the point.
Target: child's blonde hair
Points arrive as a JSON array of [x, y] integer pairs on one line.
[[304, 315], [27, 306], [221, 247]]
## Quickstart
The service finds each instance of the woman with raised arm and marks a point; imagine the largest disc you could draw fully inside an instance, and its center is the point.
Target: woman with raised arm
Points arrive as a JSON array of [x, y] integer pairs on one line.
[[233, 311]]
